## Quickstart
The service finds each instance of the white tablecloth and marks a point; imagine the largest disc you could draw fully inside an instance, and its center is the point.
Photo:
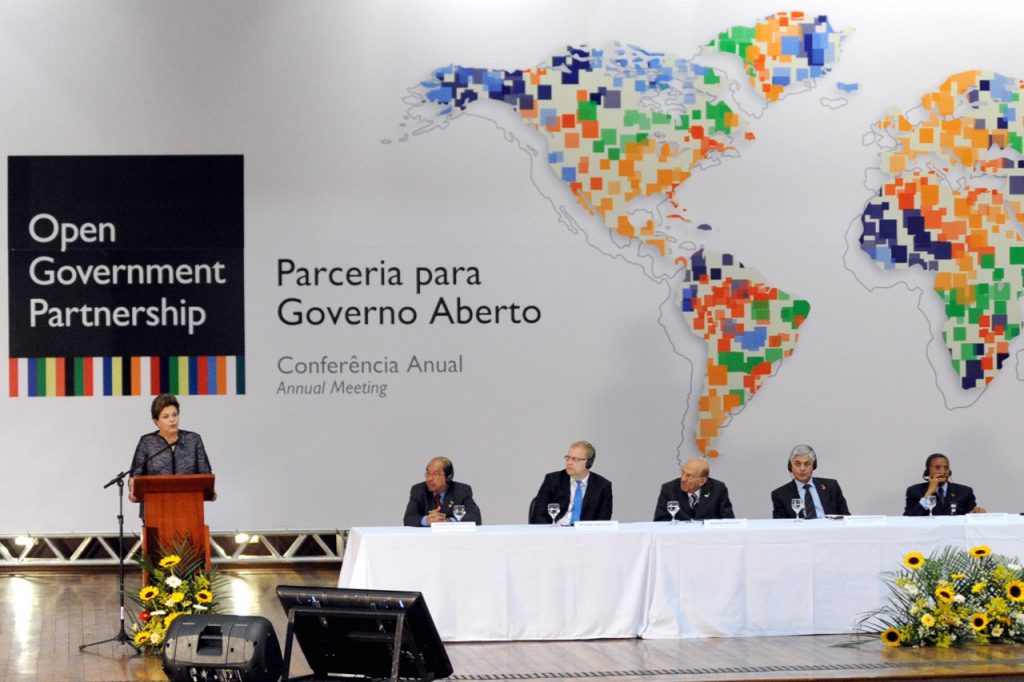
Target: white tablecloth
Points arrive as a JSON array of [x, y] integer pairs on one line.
[[511, 582], [652, 579]]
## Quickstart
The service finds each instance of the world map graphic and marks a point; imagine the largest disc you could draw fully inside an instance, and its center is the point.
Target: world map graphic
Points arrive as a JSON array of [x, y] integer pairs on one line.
[[624, 128]]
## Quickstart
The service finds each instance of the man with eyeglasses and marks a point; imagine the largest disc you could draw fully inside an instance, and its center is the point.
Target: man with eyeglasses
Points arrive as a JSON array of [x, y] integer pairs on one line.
[[581, 494]]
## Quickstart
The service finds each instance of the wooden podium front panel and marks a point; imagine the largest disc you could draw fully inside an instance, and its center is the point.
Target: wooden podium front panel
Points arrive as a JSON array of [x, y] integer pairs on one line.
[[170, 518], [174, 511]]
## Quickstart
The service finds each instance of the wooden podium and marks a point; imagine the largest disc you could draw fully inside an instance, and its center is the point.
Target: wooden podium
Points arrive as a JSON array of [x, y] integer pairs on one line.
[[174, 511]]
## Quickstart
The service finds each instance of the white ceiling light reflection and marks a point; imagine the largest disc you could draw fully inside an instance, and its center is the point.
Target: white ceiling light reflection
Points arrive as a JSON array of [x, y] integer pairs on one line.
[[21, 594]]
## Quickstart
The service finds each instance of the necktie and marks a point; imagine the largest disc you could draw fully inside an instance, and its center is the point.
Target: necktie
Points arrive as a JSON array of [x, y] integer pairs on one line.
[[693, 500], [437, 500], [577, 504], [809, 511], [942, 495]]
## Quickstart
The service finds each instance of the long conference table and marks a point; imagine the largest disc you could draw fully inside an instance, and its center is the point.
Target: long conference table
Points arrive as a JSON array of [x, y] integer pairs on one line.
[[655, 580]]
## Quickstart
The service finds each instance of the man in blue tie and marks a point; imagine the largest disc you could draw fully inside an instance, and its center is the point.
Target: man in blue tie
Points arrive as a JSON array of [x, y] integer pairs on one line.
[[581, 494], [822, 496], [950, 498]]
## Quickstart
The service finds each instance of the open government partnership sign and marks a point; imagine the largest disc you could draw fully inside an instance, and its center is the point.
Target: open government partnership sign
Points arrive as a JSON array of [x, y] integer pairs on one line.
[[121, 256]]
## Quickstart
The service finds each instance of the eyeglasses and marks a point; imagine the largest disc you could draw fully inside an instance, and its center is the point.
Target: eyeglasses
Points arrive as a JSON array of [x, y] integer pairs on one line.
[[576, 459]]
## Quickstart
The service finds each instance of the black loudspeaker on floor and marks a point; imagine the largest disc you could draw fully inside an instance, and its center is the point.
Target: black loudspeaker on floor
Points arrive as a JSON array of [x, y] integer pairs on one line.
[[219, 647]]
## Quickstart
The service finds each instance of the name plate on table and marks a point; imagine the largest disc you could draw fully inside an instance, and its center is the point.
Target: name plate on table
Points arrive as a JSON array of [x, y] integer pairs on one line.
[[865, 520], [725, 523], [454, 527], [592, 526], [995, 517]]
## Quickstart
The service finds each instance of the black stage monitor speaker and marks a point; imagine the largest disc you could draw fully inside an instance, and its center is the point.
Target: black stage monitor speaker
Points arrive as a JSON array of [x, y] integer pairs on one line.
[[373, 633], [216, 647]]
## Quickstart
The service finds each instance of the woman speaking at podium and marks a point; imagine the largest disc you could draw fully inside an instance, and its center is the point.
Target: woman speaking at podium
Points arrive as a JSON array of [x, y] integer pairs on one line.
[[170, 450]]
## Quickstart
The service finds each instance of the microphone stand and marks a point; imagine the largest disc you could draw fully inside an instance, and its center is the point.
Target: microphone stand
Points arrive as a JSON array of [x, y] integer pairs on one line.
[[122, 635]]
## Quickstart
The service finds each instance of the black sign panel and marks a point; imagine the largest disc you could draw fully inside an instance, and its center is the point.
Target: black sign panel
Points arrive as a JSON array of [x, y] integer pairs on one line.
[[126, 256]]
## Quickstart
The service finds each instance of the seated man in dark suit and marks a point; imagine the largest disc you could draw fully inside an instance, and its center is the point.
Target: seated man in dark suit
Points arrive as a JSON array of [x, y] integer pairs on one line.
[[434, 500], [950, 498], [581, 494], [821, 496], [699, 497]]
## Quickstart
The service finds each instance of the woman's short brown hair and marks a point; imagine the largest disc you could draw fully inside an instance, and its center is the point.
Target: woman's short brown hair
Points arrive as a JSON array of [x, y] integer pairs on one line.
[[162, 401]]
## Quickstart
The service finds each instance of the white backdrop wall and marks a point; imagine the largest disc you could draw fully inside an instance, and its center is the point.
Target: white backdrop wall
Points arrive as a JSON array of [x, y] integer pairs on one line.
[[308, 91]]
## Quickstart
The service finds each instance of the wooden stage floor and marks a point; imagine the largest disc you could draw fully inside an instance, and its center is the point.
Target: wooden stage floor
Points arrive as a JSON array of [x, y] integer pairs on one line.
[[44, 617]]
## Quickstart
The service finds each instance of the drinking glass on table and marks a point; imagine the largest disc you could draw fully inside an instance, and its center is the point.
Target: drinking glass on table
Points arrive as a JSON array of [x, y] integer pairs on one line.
[[673, 508], [553, 509], [929, 503], [798, 506], [458, 511]]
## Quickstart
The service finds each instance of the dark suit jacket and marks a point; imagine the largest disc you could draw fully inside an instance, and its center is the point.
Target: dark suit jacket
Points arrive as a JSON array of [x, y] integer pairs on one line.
[[961, 494], [713, 502], [828, 490], [597, 502], [421, 501]]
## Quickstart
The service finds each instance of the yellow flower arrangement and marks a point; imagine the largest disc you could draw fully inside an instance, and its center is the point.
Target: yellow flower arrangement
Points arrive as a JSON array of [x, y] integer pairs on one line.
[[949, 598], [178, 586]]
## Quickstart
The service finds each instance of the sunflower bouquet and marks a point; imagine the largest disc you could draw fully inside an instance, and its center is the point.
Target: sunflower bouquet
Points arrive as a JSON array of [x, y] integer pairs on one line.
[[951, 598], [176, 586]]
